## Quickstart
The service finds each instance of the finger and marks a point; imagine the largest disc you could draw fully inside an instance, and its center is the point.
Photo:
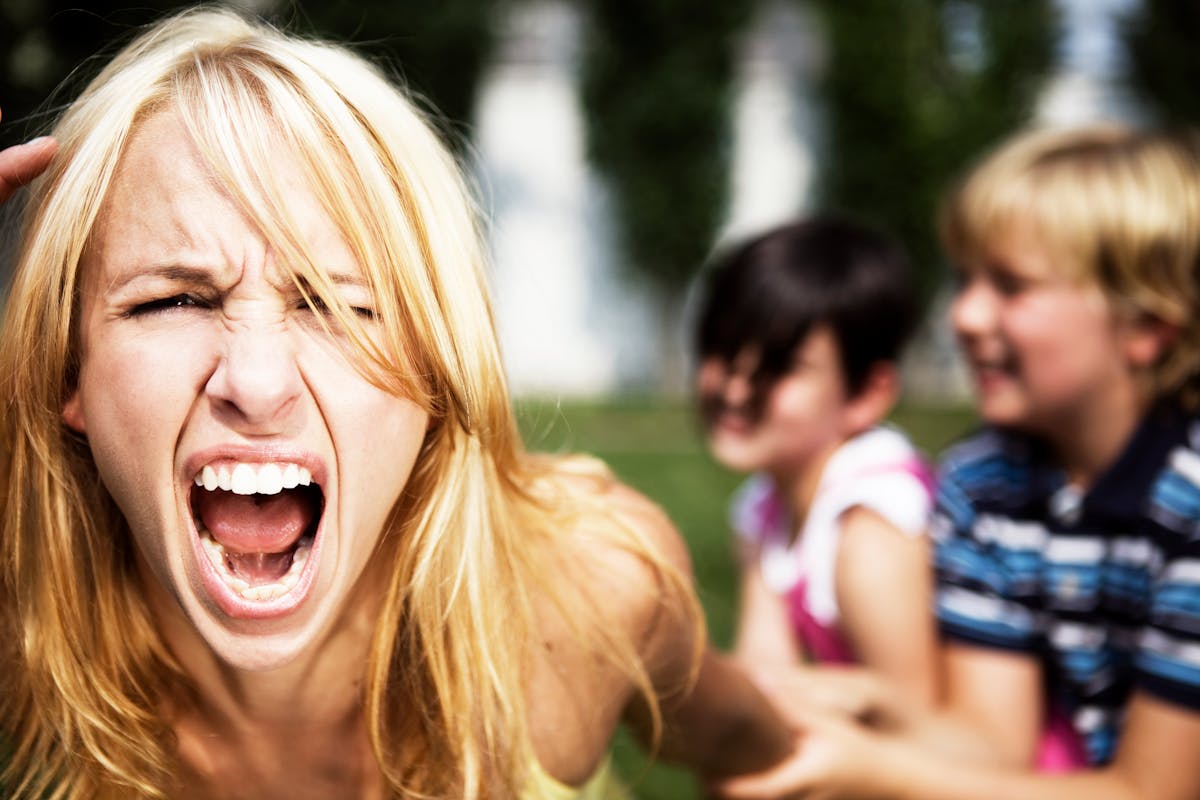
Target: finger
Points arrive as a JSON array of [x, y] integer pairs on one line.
[[22, 163], [847, 692], [788, 779], [799, 699]]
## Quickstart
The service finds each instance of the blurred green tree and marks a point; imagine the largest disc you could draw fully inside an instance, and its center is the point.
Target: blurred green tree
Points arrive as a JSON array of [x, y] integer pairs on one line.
[[48, 51], [657, 83], [439, 48], [913, 92], [1164, 70]]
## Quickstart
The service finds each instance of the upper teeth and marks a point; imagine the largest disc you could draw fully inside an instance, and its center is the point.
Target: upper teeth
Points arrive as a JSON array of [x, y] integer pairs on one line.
[[253, 478]]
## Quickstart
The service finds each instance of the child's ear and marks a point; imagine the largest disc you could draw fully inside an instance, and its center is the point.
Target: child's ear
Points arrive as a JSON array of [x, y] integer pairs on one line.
[[875, 399], [72, 412], [1147, 338]]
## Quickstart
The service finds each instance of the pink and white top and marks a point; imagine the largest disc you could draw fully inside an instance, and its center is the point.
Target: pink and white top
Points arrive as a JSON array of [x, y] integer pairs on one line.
[[878, 469]]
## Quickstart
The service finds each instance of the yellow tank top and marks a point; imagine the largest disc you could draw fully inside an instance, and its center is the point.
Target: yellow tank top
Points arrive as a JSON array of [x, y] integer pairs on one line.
[[603, 785]]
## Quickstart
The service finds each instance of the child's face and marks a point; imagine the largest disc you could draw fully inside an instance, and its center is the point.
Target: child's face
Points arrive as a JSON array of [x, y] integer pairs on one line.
[[1044, 350], [802, 414]]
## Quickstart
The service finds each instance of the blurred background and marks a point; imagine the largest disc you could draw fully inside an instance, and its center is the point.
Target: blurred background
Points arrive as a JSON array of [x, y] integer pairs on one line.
[[617, 143]]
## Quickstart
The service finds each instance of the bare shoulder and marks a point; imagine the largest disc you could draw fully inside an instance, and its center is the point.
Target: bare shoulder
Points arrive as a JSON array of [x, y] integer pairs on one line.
[[623, 556], [619, 597], [647, 526], [644, 585], [875, 547]]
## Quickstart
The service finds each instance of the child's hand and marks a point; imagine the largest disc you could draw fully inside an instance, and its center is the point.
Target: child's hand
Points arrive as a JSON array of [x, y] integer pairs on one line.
[[843, 717], [828, 761], [23, 162], [849, 692]]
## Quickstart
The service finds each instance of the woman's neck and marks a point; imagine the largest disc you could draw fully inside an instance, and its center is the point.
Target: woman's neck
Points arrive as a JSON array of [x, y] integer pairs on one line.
[[294, 732]]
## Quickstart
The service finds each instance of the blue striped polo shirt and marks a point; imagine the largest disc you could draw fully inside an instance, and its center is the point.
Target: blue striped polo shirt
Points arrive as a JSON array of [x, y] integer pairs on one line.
[[1103, 588]]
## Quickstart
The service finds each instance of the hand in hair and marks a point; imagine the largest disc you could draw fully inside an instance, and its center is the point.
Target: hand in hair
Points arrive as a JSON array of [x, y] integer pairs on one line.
[[22, 163]]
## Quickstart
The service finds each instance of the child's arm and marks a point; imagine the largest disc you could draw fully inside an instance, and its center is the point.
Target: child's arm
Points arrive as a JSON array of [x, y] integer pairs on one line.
[[997, 697], [885, 595], [980, 747], [764, 640], [1157, 760]]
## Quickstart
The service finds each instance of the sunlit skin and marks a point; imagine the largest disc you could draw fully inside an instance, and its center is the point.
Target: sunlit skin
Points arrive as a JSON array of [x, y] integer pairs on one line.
[[196, 346], [22, 163], [1047, 354]]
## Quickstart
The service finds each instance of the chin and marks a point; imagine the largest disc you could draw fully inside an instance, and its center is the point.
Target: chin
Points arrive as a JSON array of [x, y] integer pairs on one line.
[[256, 646], [734, 456], [195, 620], [1005, 418], [262, 653]]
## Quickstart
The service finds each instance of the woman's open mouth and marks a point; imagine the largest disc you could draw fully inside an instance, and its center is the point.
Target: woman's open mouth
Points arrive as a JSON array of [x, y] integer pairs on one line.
[[257, 524]]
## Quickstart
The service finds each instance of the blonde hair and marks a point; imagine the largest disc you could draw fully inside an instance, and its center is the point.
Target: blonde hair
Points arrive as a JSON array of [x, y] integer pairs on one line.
[[1116, 207], [83, 674]]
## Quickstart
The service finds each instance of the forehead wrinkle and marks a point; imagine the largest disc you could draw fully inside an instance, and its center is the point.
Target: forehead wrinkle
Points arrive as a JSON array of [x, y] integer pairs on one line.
[[275, 199], [301, 236], [154, 203], [288, 281]]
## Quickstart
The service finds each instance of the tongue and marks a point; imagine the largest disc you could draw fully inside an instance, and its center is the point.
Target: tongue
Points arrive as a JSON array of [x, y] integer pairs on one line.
[[253, 524], [259, 568]]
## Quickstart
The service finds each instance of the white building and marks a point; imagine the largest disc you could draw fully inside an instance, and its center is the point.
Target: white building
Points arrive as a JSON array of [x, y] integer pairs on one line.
[[571, 322]]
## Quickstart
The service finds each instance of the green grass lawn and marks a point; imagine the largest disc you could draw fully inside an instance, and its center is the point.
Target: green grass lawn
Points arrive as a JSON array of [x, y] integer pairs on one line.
[[656, 447]]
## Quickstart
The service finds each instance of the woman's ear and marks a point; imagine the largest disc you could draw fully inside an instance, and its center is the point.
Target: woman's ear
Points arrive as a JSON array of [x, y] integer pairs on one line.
[[72, 412], [874, 399]]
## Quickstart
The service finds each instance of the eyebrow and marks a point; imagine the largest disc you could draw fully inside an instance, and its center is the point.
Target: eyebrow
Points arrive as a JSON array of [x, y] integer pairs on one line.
[[343, 279], [175, 273], [201, 276]]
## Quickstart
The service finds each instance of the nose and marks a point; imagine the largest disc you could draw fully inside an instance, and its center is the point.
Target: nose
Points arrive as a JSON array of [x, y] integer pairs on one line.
[[973, 311], [729, 383], [257, 380], [737, 390]]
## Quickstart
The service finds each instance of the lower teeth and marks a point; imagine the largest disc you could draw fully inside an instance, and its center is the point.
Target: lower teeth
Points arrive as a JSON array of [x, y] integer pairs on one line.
[[266, 591]]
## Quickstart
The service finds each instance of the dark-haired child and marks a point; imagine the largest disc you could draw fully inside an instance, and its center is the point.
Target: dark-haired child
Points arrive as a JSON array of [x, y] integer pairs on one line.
[[798, 341]]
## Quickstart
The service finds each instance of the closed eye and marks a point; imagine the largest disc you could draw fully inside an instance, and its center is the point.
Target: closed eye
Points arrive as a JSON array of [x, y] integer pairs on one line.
[[1008, 284], [170, 303], [321, 307]]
